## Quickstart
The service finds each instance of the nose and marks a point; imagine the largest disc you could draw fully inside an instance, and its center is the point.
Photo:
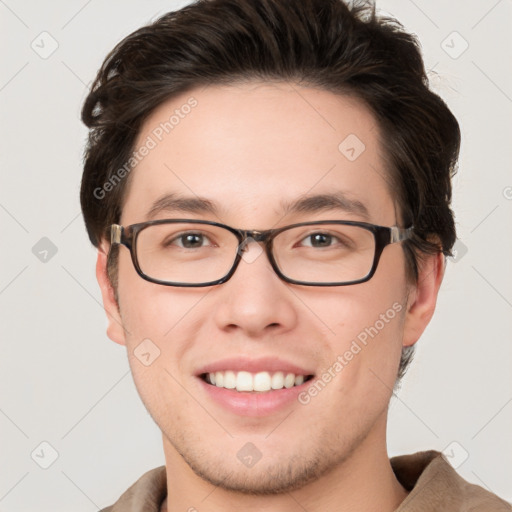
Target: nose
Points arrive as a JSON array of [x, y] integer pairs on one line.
[[255, 300]]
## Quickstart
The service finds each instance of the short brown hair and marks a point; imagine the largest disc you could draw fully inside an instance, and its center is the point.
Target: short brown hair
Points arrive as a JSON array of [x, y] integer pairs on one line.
[[320, 43]]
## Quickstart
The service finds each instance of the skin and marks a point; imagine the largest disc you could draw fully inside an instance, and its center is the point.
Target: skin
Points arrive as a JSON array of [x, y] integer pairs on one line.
[[248, 148]]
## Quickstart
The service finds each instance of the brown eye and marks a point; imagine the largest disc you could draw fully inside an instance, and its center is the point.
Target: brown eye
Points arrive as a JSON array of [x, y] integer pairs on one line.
[[187, 240], [320, 240], [191, 241]]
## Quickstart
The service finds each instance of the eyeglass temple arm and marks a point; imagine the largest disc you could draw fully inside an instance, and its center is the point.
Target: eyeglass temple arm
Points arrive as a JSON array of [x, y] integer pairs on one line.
[[399, 234], [116, 232]]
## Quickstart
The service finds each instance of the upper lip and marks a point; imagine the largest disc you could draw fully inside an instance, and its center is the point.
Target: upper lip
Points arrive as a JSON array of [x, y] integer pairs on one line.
[[263, 364]]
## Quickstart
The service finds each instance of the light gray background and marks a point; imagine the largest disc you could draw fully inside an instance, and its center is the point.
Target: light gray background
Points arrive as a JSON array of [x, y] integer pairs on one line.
[[65, 383]]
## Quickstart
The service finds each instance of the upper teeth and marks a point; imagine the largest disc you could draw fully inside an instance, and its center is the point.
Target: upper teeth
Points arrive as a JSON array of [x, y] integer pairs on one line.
[[261, 381]]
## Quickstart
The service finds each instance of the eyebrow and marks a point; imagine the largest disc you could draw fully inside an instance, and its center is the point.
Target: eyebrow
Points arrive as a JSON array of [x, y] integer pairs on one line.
[[321, 202], [175, 203], [307, 204]]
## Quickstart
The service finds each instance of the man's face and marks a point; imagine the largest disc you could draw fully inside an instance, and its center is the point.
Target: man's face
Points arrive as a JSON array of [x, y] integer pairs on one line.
[[251, 150]]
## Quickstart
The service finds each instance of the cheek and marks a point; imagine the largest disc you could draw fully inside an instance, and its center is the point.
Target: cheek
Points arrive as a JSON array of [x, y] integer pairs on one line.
[[150, 310], [368, 339], [363, 341], [360, 373], [159, 325]]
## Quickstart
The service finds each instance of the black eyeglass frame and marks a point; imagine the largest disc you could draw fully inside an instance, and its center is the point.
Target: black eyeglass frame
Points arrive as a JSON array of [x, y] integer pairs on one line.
[[383, 235]]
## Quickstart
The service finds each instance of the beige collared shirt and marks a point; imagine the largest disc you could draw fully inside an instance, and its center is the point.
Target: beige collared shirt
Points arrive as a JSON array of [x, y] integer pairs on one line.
[[433, 485]]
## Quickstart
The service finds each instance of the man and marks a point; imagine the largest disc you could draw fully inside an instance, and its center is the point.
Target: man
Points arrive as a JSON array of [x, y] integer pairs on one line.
[[268, 186]]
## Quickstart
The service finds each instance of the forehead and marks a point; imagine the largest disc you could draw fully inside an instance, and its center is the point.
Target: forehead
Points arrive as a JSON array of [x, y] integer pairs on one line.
[[253, 148]]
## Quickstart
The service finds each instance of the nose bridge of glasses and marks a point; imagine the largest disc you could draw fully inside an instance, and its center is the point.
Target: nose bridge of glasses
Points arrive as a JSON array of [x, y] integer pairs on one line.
[[253, 235]]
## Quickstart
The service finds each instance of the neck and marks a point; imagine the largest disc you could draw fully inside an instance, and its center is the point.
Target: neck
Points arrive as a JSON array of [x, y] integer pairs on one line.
[[362, 482]]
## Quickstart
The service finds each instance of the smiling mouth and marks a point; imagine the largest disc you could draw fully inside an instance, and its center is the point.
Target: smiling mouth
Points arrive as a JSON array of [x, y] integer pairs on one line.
[[254, 382]]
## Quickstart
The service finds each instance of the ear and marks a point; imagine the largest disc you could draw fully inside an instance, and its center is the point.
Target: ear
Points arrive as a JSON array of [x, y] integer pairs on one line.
[[115, 329], [422, 298]]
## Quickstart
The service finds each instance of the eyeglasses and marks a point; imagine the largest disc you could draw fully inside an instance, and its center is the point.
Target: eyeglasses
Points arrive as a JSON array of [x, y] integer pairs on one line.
[[194, 253]]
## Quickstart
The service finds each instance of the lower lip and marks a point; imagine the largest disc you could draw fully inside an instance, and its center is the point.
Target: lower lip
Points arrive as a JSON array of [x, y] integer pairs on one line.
[[254, 403]]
